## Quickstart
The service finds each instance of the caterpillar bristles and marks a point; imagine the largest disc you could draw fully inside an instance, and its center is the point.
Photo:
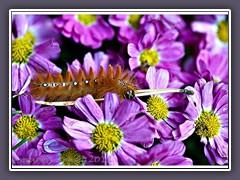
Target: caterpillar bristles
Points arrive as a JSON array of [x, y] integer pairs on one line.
[[140, 92]]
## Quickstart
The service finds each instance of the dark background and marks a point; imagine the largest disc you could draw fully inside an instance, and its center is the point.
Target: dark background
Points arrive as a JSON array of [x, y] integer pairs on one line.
[[123, 4]]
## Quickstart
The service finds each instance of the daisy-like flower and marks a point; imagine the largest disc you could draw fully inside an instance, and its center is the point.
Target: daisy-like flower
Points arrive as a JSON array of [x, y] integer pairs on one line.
[[159, 50], [215, 64], [89, 30], [68, 155], [216, 33], [129, 27], [166, 154], [32, 119], [28, 154], [30, 53], [162, 107], [111, 130], [207, 116]]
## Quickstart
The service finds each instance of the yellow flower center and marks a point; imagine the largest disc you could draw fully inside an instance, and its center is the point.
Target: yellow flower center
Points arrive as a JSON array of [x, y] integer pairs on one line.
[[106, 137], [155, 164], [207, 125], [134, 20], [71, 157], [150, 56], [26, 127], [87, 19], [223, 31], [22, 48], [157, 107]]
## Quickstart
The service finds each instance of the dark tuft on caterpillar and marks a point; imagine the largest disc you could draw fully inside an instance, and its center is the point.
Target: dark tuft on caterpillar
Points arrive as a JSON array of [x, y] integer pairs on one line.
[[72, 86]]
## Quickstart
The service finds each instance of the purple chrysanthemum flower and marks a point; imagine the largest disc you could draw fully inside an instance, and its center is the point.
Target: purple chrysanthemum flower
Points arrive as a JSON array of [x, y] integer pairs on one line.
[[207, 116], [111, 130], [216, 33], [33, 118], [215, 64], [167, 154], [30, 53], [129, 27], [164, 22], [68, 155], [27, 154], [162, 107], [90, 30], [155, 50]]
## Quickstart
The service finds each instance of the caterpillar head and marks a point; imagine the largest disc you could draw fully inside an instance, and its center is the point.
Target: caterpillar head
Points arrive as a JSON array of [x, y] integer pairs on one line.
[[130, 94]]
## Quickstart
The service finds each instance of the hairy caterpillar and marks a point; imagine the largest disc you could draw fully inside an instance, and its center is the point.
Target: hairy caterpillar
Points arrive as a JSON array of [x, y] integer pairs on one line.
[[60, 90]]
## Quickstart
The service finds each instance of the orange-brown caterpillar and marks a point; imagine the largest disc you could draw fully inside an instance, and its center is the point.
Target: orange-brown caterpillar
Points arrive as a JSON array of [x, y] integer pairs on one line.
[[73, 86]]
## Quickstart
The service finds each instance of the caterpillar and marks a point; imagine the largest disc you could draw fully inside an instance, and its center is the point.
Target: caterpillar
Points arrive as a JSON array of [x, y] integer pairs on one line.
[[59, 90]]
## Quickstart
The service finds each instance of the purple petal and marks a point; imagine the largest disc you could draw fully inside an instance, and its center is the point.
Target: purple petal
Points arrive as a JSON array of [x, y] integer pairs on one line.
[[117, 20], [76, 128], [192, 112], [176, 160], [51, 123], [164, 130], [21, 24], [27, 104], [134, 63], [203, 27], [176, 20], [48, 49], [176, 116], [213, 157], [20, 77], [83, 144], [222, 146], [15, 118], [54, 146], [146, 41], [125, 158], [167, 149], [82, 126], [58, 22], [207, 96], [173, 53], [110, 104], [132, 150], [15, 78], [104, 30], [112, 159], [195, 99], [90, 109], [33, 153], [185, 130], [125, 111], [68, 26], [161, 79], [222, 105], [128, 34], [138, 130], [132, 50], [202, 60], [45, 112], [42, 64], [150, 77], [88, 62]]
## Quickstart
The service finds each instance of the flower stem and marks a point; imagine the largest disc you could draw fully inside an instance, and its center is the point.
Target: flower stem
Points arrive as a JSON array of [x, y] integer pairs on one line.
[[20, 143], [16, 112]]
